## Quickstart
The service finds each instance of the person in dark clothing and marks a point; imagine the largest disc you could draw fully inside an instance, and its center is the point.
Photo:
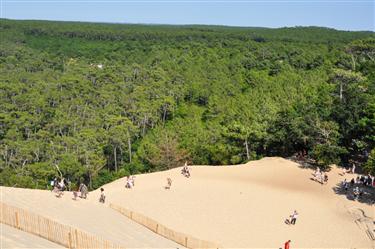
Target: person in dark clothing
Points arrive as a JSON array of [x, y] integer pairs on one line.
[[102, 196]]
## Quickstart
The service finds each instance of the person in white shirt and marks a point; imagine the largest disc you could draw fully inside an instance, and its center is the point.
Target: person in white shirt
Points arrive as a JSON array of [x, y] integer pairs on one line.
[[294, 217]]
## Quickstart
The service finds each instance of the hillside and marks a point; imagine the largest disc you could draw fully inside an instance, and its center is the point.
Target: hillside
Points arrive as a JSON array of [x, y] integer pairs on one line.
[[242, 206], [245, 206], [94, 102]]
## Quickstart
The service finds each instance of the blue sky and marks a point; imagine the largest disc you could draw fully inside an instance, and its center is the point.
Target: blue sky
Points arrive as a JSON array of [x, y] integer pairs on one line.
[[339, 14]]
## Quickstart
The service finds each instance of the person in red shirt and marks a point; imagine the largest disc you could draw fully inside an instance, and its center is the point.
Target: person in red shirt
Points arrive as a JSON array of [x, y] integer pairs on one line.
[[287, 244]]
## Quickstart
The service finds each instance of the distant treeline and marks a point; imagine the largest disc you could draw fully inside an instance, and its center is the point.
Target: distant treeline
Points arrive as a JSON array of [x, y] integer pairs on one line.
[[95, 102]]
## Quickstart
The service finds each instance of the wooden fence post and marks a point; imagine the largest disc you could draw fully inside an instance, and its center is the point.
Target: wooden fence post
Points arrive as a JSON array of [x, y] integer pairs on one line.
[[76, 233], [17, 220], [70, 240], [49, 230], [38, 225]]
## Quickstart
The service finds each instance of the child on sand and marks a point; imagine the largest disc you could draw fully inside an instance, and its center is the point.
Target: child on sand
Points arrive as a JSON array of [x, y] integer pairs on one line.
[[75, 195], [169, 183], [102, 196]]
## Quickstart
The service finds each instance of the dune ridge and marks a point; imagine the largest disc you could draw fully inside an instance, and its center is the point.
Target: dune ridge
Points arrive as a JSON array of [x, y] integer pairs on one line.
[[242, 206]]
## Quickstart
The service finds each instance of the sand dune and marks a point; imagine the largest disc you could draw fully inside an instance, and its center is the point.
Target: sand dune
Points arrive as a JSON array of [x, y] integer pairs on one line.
[[236, 206], [13, 238], [246, 205], [87, 215]]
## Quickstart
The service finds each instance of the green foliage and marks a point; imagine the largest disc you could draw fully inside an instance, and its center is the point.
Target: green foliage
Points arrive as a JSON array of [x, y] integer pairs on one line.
[[94, 102], [370, 164]]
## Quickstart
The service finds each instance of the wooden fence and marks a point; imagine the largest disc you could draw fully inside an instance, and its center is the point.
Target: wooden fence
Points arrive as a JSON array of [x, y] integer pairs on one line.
[[51, 230], [180, 238]]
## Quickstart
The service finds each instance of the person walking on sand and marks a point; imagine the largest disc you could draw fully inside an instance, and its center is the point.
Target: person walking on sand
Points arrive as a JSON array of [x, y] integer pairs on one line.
[[169, 183], [83, 190], [75, 195], [294, 217], [102, 196], [129, 182], [287, 244]]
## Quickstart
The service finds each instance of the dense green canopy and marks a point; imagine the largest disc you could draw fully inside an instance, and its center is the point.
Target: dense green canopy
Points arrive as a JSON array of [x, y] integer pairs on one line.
[[95, 102]]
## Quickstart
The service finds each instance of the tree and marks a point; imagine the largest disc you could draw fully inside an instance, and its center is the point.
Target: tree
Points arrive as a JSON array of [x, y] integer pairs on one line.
[[344, 78]]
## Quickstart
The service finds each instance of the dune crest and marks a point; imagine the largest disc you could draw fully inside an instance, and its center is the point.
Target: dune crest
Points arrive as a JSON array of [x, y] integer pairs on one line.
[[234, 206]]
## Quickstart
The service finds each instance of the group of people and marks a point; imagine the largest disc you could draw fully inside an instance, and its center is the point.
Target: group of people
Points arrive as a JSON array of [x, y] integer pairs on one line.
[[358, 184], [58, 186], [82, 190], [185, 171], [320, 176], [350, 170]]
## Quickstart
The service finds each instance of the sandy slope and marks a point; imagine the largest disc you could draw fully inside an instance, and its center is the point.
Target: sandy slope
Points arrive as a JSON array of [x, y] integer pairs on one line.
[[13, 238], [237, 206], [87, 215], [245, 206]]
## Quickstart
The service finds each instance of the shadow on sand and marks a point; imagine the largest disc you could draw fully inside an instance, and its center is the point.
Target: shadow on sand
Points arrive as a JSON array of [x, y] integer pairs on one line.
[[368, 192], [367, 197]]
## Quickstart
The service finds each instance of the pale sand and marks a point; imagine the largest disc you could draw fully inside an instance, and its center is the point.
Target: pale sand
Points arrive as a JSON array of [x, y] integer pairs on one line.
[[87, 215], [245, 206], [236, 206], [13, 238]]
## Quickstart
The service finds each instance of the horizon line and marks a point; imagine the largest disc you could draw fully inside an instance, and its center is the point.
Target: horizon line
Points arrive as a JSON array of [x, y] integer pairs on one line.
[[188, 24]]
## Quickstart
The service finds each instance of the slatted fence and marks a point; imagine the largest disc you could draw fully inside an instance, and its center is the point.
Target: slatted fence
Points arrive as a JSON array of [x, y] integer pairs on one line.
[[180, 238], [51, 230]]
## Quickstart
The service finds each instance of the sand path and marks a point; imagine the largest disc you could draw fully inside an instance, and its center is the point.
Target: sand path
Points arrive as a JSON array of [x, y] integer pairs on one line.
[[13, 238], [89, 216]]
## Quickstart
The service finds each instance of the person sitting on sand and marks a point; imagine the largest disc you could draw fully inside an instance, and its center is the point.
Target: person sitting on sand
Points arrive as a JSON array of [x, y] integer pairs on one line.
[[345, 185], [356, 192], [102, 196], [169, 183], [352, 182]]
